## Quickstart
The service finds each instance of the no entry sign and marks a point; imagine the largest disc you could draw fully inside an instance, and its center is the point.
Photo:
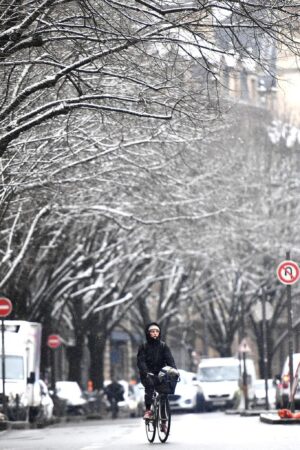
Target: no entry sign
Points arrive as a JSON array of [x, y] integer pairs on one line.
[[5, 307], [288, 272], [53, 341]]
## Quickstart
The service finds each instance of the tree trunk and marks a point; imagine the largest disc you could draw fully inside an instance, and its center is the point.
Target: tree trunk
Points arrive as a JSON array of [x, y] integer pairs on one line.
[[75, 355], [96, 346]]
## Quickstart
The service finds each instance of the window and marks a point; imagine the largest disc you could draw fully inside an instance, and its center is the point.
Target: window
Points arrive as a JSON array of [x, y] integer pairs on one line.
[[219, 373], [14, 367]]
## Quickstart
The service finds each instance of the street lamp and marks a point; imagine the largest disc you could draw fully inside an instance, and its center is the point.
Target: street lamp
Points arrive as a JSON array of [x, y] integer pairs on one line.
[[244, 349], [263, 313]]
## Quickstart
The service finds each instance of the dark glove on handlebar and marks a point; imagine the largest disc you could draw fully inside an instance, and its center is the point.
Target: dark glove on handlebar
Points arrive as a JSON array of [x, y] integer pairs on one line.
[[150, 377]]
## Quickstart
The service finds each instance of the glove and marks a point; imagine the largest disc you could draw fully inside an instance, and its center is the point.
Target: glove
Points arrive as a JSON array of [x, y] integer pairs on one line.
[[173, 372], [150, 377]]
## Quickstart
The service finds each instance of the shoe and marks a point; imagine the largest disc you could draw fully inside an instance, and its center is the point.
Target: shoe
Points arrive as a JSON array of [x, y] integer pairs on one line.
[[148, 414], [163, 426]]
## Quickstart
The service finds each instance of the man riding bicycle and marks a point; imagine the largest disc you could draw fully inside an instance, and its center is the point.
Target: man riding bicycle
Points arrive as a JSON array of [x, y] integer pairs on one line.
[[152, 356]]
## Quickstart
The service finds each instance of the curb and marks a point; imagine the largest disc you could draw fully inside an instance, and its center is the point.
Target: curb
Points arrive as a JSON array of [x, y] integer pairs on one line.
[[252, 412], [7, 425], [273, 418], [258, 412], [231, 412], [246, 412], [20, 425], [94, 416]]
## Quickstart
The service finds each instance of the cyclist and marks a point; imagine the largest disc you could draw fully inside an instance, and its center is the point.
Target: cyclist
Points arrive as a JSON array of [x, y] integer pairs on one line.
[[152, 356], [114, 393]]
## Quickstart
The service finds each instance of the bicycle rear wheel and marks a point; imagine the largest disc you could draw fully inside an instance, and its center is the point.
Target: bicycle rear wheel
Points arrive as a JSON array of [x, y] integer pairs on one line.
[[150, 429], [164, 420]]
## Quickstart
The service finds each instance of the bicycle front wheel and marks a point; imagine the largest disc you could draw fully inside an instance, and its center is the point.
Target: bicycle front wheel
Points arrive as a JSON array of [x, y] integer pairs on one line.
[[164, 420], [150, 429]]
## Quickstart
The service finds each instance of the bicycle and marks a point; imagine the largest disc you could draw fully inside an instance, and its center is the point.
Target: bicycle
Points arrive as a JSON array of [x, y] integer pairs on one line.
[[161, 411], [161, 420]]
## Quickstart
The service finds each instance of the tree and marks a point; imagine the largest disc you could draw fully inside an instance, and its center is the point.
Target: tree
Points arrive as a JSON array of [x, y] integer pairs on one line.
[[110, 109], [72, 55]]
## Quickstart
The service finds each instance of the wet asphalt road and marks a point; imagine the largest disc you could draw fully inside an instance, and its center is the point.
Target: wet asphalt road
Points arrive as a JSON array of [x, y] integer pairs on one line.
[[213, 431]]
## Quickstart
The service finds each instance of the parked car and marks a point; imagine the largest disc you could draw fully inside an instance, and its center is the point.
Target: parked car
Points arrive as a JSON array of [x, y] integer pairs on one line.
[[259, 399], [137, 393], [188, 394], [71, 393], [283, 384], [221, 379]]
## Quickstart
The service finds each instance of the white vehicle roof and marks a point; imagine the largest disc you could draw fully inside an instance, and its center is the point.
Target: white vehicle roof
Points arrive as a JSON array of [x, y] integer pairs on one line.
[[215, 362]]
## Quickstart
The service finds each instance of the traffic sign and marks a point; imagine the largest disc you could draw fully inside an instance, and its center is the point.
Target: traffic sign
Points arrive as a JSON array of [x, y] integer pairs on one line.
[[288, 272], [5, 307], [53, 341], [244, 347]]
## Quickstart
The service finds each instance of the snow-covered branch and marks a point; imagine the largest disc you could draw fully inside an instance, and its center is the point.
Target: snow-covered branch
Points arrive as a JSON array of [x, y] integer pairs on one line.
[[25, 246]]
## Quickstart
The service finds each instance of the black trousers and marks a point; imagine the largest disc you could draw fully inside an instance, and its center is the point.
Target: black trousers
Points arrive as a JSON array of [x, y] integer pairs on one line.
[[149, 390], [149, 386]]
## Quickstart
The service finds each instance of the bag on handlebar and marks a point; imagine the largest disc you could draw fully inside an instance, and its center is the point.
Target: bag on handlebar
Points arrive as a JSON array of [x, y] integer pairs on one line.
[[167, 381]]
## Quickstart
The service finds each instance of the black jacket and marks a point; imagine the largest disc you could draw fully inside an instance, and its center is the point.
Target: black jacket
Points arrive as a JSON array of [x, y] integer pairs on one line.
[[114, 391], [153, 356]]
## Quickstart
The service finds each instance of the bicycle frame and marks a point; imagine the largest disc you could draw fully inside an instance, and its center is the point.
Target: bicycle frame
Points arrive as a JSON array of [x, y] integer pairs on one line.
[[161, 421]]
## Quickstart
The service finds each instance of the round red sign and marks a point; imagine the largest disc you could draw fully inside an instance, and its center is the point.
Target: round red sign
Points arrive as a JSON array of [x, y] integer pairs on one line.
[[53, 341], [5, 307], [288, 272]]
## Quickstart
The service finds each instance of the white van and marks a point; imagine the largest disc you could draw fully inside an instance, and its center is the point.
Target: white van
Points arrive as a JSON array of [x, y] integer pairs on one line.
[[220, 379], [22, 345]]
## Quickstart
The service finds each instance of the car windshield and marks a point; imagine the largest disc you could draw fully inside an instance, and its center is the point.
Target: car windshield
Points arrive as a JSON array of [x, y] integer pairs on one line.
[[14, 367], [219, 373]]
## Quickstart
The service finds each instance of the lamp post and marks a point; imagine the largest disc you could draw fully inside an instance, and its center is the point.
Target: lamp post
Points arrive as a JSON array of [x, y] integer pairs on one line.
[[263, 313], [244, 349], [265, 345]]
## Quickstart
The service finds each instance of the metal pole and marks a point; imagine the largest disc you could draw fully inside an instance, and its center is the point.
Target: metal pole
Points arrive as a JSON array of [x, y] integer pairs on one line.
[[265, 346], [53, 369], [3, 369], [205, 333], [245, 381], [290, 337]]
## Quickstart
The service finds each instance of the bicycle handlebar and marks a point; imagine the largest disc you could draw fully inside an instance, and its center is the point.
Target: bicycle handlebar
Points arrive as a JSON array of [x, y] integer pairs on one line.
[[155, 377]]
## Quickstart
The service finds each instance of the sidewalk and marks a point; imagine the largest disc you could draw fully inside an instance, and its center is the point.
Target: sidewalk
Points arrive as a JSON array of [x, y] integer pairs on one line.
[[273, 418], [22, 425]]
